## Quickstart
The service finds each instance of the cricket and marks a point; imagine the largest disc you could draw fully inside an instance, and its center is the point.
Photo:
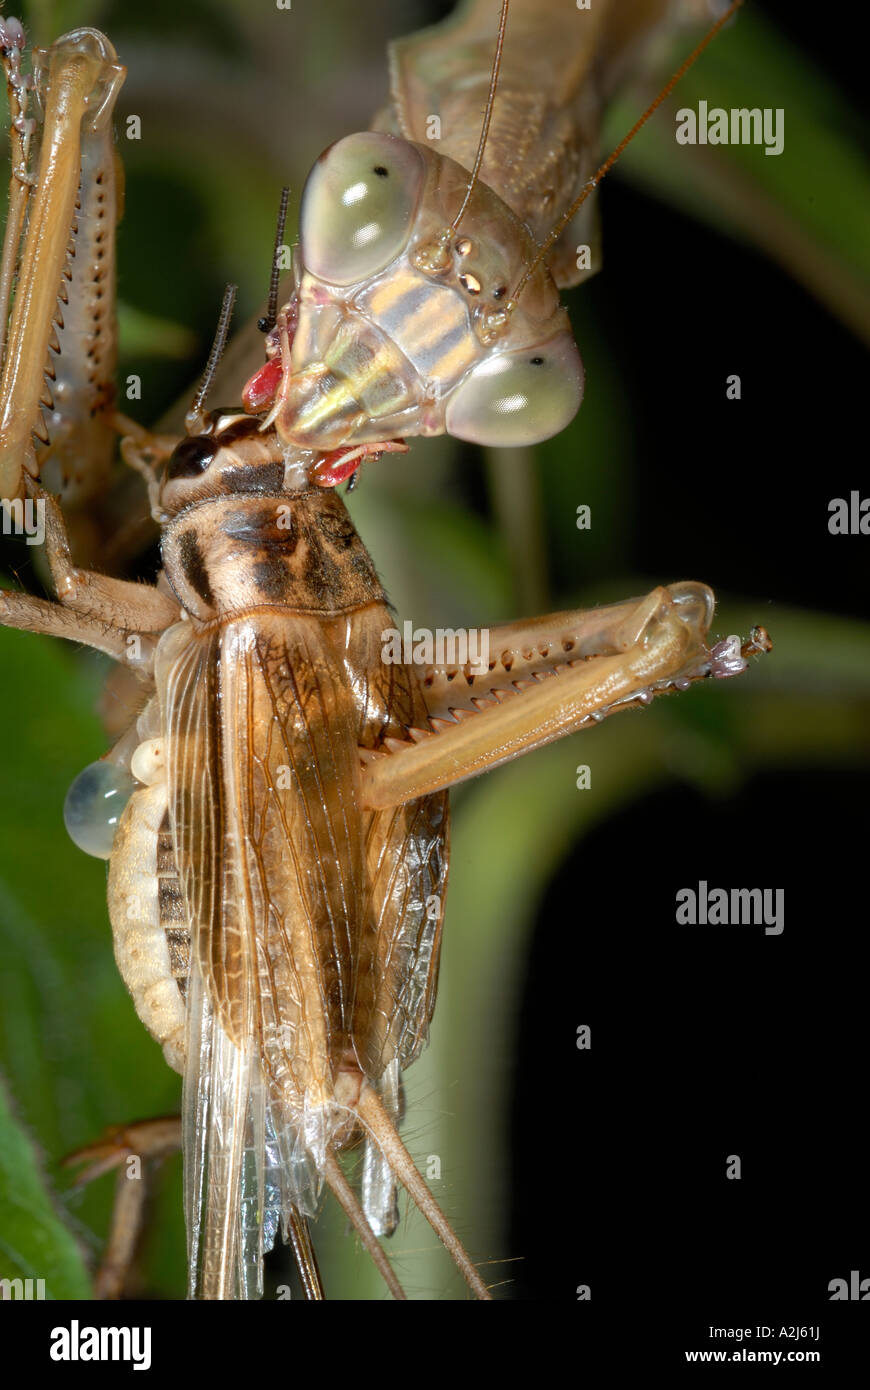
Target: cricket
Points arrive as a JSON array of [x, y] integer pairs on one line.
[[274, 813]]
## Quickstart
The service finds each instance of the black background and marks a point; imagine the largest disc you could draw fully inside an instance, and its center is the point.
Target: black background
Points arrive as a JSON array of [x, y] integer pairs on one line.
[[709, 1042]]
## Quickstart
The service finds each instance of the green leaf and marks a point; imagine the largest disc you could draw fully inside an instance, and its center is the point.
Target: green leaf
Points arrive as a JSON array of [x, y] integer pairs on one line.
[[75, 1055], [34, 1242]]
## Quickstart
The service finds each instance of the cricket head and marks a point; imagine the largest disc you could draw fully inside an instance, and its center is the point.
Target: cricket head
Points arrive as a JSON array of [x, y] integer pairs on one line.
[[402, 323], [245, 526], [227, 456]]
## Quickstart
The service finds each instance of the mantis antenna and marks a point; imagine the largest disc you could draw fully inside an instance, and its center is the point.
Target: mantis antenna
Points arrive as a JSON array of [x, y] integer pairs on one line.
[[592, 184], [267, 322], [487, 116]]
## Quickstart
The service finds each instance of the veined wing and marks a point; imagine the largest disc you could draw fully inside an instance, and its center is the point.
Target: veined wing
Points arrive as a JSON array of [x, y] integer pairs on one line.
[[405, 853], [262, 761]]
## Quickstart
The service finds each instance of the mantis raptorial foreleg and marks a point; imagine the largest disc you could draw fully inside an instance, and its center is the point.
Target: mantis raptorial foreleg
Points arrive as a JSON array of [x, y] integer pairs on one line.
[[60, 354], [551, 677]]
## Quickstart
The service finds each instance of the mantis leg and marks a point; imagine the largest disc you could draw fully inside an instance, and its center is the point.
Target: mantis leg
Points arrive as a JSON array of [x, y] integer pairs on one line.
[[122, 619], [145, 1142], [61, 344], [548, 678], [135, 607]]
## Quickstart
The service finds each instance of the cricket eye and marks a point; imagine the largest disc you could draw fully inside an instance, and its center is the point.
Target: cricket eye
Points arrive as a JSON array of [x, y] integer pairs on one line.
[[191, 457], [519, 397], [94, 804], [358, 205]]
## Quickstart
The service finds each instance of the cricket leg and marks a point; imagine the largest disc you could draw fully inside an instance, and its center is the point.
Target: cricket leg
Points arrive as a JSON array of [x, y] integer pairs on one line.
[[149, 1141], [550, 678], [30, 614], [378, 1122], [122, 619], [131, 1149], [144, 452], [350, 1205], [530, 649]]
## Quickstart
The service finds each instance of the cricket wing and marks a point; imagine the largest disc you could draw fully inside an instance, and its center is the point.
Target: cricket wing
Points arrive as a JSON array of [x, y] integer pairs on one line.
[[405, 867], [262, 769], [407, 875], [223, 1092]]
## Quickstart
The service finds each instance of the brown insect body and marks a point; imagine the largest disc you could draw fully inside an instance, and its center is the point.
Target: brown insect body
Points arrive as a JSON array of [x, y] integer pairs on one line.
[[560, 65], [312, 921], [420, 303], [277, 880]]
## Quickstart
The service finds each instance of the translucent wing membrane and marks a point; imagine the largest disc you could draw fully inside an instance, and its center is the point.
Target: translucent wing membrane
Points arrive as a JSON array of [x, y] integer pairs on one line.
[[224, 1146], [315, 928]]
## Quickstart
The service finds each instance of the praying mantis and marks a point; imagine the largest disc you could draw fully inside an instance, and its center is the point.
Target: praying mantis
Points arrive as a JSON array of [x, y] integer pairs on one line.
[[680, 611]]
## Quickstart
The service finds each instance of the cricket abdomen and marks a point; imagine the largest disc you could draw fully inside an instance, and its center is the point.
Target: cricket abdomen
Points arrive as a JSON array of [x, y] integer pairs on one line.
[[150, 934]]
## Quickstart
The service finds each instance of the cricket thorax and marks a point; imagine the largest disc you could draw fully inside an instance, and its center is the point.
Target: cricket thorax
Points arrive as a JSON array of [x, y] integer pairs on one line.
[[299, 551]]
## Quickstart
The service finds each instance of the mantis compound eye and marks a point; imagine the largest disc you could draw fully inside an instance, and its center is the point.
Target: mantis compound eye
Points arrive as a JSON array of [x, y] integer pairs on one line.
[[358, 205], [519, 397], [191, 457], [94, 804]]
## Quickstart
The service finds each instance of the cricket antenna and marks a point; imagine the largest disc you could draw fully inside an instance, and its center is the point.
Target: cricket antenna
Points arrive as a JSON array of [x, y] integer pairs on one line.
[[194, 420], [592, 184], [267, 322], [490, 102]]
